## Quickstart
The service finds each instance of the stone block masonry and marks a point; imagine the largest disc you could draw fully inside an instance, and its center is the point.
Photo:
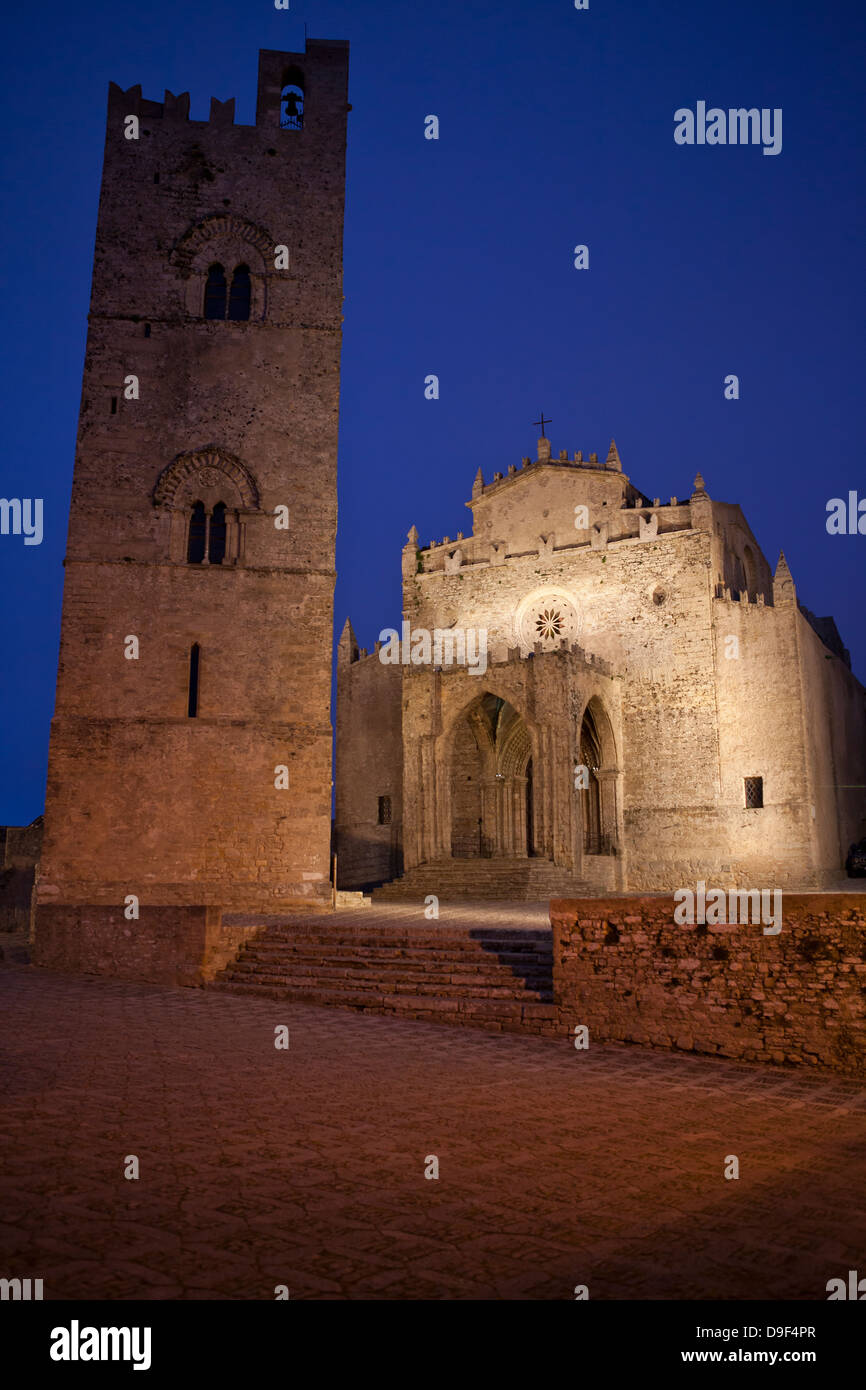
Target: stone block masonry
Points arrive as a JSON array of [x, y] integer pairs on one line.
[[163, 946], [194, 771], [622, 967]]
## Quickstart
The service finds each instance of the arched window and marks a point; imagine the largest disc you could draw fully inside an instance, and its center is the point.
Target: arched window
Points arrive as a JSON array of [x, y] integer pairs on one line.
[[239, 294], [751, 574], [217, 543], [197, 535], [292, 100], [215, 293]]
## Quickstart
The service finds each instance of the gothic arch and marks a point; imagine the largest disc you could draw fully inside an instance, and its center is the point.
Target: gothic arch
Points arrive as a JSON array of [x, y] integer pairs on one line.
[[472, 710], [487, 751], [516, 749], [597, 711], [601, 797]]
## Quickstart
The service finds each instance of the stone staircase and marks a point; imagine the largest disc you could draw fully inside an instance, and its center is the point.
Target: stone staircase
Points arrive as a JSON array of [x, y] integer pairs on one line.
[[462, 880], [500, 978]]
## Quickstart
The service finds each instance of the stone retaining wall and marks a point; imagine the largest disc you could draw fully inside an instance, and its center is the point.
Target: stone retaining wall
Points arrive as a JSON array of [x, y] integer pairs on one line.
[[165, 946], [623, 967]]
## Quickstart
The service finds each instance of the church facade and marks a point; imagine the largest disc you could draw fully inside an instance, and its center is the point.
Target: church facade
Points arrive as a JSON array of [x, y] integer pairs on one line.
[[656, 706]]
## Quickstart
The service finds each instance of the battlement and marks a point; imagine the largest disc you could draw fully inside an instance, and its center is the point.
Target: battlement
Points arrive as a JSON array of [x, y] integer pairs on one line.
[[741, 596], [545, 459], [351, 655], [285, 82]]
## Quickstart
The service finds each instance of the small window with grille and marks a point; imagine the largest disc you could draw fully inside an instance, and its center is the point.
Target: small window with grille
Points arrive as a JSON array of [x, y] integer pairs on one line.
[[754, 793], [384, 810]]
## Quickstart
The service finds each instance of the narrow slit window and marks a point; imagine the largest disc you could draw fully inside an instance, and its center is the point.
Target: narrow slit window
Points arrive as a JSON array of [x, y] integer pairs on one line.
[[114, 405], [384, 810], [194, 665]]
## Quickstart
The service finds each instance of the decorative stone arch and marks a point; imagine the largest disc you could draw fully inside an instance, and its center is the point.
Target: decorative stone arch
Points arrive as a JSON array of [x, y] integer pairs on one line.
[[487, 813], [516, 749], [601, 801], [230, 241], [209, 476]]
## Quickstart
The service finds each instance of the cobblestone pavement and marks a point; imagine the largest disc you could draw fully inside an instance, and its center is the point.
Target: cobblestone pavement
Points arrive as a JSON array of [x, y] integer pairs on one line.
[[305, 1167]]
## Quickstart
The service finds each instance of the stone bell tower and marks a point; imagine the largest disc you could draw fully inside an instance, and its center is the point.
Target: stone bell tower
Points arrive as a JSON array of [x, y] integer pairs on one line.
[[190, 759]]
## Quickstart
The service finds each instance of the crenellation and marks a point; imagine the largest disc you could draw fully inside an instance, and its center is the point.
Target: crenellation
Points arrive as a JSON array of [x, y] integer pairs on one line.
[[650, 643], [202, 529]]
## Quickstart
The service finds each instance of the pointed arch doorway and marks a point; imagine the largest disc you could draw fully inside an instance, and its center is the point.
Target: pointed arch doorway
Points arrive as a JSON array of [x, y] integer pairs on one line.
[[491, 782]]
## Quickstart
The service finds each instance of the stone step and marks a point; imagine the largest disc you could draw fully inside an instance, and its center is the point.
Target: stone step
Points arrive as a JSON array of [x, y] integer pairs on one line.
[[406, 970], [327, 950], [335, 983], [516, 967], [515, 879], [476, 964], [262, 957], [499, 1015], [482, 975], [513, 943]]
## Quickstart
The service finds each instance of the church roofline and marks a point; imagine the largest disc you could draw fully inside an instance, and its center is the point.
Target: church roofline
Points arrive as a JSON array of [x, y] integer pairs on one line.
[[532, 466]]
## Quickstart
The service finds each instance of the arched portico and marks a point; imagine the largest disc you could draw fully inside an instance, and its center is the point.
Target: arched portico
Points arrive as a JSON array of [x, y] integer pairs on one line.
[[489, 781]]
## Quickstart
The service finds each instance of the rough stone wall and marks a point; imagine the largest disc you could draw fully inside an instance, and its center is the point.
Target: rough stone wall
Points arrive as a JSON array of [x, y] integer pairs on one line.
[[369, 765], [165, 946], [834, 706], [627, 971], [20, 847], [142, 798]]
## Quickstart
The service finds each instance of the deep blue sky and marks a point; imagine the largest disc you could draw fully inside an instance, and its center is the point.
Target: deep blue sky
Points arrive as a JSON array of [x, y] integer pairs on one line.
[[556, 128]]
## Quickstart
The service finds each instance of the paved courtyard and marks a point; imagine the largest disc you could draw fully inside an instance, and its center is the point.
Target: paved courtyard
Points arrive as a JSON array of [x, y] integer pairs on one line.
[[305, 1167]]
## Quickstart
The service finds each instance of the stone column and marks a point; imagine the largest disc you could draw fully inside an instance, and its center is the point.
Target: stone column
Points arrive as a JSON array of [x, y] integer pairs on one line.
[[491, 814], [547, 792], [518, 802], [607, 779], [425, 800], [508, 816]]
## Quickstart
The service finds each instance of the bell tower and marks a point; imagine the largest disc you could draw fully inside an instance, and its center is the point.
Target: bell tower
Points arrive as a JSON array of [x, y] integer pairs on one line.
[[190, 758]]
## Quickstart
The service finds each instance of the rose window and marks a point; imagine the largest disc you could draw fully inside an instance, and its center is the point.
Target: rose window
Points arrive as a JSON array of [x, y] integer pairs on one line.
[[549, 624], [547, 616]]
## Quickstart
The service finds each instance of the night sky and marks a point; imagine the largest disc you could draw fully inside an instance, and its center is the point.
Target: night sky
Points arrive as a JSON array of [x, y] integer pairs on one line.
[[556, 128]]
